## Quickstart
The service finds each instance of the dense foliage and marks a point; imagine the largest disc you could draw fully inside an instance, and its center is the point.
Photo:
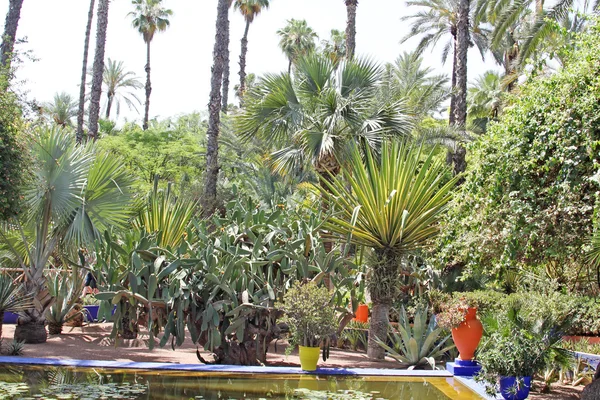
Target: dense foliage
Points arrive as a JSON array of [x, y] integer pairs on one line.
[[530, 191]]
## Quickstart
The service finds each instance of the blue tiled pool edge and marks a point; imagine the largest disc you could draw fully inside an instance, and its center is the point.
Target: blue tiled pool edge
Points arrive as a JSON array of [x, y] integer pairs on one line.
[[221, 368]]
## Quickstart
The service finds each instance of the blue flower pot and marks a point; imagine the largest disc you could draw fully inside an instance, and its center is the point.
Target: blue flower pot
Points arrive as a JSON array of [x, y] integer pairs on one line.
[[92, 312], [508, 385]]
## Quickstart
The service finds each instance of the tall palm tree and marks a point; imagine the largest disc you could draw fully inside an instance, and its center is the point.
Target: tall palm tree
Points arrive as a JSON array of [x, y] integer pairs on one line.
[[74, 196], [335, 47], [62, 109], [10, 32], [459, 90], [148, 18], [391, 205], [249, 9], [84, 72], [116, 80], [209, 201], [98, 68], [351, 6], [296, 39], [226, 69]]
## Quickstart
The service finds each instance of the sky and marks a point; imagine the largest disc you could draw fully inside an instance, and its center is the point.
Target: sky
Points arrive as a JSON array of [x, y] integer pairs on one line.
[[182, 56]]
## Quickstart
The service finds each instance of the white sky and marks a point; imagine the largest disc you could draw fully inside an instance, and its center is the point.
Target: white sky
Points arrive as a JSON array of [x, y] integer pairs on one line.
[[182, 56]]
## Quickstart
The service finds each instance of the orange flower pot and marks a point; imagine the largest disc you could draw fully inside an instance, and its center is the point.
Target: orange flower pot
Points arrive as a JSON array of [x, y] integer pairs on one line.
[[362, 313], [468, 334]]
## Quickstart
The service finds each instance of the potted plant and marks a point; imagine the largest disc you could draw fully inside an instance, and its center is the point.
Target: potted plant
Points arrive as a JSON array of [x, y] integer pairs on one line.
[[311, 320], [515, 348], [459, 315]]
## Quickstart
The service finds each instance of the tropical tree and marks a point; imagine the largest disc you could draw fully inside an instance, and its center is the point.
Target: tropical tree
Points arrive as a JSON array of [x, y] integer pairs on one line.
[[116, 80], [351, 6], [459, 90], [214, 108], [315, 115], [226, 69], [62, 109], [148, 18], [84, 72], [75, 194], [392, 205], [485, 97], [10, 32], [98, 68], [296, 39], [249, 9], [335, 47]]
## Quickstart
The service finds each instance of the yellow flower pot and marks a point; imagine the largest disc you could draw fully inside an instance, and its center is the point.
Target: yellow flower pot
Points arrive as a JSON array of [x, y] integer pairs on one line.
[[309, 357]]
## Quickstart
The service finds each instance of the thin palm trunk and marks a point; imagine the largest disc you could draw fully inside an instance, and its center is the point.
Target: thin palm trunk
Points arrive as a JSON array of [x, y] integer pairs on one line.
[[290, 66], [109, 104], [351, 6], [452, 94], [10, 32], [244, 51], [86, 47], [226, 73], [460, 99], [98, 69], [148, 86], [209, 201]]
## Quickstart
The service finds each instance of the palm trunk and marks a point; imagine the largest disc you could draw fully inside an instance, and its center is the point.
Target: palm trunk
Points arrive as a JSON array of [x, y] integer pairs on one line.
[[452, 94], [351, 6], [209, 201], [98, 68], [242, 88], [10, 32], [148, 86], [109, 104], [226, 73], [460, 100], [290, 66], [1, 322], [86, 47]]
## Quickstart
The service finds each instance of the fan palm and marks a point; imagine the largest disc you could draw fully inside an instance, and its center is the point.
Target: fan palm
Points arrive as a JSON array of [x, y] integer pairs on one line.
[[249, 9], [116, 80], [335, 47], [62, 109], [392, 206], [296, 39], [74, 195], [485, 96], [149, 17]]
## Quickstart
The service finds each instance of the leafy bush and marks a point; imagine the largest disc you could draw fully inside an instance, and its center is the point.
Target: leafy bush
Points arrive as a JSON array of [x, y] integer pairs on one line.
[[530, 190]]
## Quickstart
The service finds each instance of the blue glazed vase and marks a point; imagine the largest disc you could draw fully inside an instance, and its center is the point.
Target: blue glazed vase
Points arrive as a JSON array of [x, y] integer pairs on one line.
[[508, 384]]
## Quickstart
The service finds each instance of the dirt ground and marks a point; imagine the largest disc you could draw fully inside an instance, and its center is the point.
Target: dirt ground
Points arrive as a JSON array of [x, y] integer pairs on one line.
[[93, 342]]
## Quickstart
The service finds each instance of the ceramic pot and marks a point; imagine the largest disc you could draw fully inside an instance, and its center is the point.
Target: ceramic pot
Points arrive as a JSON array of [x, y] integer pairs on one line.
[[309, 357], [511, 391], [468, 334], [362, 313]]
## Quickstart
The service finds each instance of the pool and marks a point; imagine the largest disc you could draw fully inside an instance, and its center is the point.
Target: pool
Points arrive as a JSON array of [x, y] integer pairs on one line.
[[44, 382]]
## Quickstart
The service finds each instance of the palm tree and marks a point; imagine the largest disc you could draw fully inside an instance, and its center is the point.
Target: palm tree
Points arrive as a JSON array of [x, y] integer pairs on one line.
[[391, 204], [459, 90], [209, 200], [98, 68], [485, 96], [86, 46], [226, 70], [75, 194], [249, 9], [115, 80], [335, 47], [351, 6], [148, 18], [296, 39], [10, 32], [62, 109]]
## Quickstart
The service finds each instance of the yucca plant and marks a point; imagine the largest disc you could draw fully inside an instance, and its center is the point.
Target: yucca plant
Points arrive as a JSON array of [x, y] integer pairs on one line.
[[66, 289], [12, 297], [419, 344], [391, 204]]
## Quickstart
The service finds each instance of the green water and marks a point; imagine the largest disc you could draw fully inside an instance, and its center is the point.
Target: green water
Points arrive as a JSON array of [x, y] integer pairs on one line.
[[68, 383]]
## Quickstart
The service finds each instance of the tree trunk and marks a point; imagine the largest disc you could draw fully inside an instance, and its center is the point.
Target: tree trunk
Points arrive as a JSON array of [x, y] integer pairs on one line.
[[86, 47], [109, 104], [226, 73], [209, 201], [1, 322], [148, 87], [378, 328], [460, 100], [290, 66], [98, 68], [242, 88], [10, 32], [453, 86], [31, 332], [351, 6], [54, 329]]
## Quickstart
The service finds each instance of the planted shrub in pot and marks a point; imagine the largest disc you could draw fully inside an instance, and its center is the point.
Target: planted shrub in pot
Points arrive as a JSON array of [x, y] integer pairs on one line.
[[311, 320]]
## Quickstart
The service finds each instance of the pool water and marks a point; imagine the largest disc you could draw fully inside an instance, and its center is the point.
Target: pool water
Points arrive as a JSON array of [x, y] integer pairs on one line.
[[36, 382]]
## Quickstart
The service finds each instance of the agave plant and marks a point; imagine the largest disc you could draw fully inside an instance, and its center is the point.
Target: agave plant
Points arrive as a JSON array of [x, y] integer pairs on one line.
[[66, 289], [417, 345], [12, 297]]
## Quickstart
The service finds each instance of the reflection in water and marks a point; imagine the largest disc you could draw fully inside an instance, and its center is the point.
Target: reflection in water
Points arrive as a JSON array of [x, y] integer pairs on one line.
[[68, 383]]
